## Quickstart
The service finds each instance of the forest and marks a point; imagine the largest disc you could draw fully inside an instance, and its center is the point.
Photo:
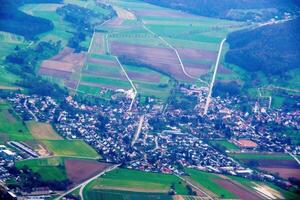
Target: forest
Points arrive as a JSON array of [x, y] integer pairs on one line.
[[15, 21], [241, 10], [271, 49]]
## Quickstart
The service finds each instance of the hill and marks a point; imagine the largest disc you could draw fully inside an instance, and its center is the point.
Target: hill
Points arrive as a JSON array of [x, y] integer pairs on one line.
[[273, 49], [258, 10]]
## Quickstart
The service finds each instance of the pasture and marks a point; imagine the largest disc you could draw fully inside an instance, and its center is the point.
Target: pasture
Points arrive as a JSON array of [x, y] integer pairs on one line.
[[75, 148], [225, 144], [12, 127], [209, 181], [49, 168], [122, 182]]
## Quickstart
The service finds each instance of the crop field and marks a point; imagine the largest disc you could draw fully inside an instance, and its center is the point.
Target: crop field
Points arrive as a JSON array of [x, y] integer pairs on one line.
[[274, 191], [80, 170], [124, 195], [65, 66], [282, 164], [76, 148], [48, 168], [42, 131], [208, 181], [12, 127], [225, 144], [63, 168], [122, 182]]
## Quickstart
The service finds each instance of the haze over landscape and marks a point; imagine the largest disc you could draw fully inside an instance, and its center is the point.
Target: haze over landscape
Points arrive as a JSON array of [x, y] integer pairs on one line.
[[149, 99]]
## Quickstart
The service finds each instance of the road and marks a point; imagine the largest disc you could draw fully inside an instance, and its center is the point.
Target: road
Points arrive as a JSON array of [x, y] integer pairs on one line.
[[82, 185], [214, 77], [176, 52], [138, 131], [195, 187], [25, 105], [293, 156], [130, 81]]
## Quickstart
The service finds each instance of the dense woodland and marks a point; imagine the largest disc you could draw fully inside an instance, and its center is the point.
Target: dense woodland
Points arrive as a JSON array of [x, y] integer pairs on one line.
[[83, 21], [231, 9], [15, 21], [273, 49]]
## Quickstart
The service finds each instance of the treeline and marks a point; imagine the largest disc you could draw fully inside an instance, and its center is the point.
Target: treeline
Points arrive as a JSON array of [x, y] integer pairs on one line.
[[25, 62], [84, 20], [231, 9], [15, 21], [273, 49]]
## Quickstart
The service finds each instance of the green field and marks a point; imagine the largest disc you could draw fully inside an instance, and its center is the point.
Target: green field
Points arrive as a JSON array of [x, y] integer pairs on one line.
[[207, 180], [250, 183], [49, 168], [124, 195], [225, 144], [76, 148], [62, 29], [255, 156], [12, 127], [134, 181]]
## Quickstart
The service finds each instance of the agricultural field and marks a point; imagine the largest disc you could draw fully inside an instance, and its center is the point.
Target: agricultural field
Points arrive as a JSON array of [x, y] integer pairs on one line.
[[225, 144], [11, 126], [133, 36], [228, 187], [124, 182], [64, 168], [282, 165], [42, 131], [75, 148], [49, 168]]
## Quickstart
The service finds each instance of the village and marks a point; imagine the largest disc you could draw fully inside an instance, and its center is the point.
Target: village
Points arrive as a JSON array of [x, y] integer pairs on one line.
[[159, 138]]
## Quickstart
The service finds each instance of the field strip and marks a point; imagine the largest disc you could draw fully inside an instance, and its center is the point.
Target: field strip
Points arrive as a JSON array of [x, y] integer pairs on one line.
[[197, 188], [82, 185], [177, 54], [214, 77], [293, 156], [130, 81], [64, 156]]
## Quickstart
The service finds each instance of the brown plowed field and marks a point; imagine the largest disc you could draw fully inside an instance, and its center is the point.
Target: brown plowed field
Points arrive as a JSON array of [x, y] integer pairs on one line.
[[81, 170], [162, 59], [102, 61], [63, 65], [197, 54], [162, 13], [283, 172], [285, 168], [275, 163], [238, 190]]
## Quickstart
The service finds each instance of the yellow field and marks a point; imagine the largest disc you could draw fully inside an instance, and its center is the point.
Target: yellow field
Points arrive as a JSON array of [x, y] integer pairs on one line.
[[43, 131]]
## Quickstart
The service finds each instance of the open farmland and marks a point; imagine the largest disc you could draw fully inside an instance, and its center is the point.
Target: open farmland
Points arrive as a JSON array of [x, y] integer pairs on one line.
[[42, 131], [11, 127], [65, 66], [122, 182], [80, 170], [76, 148], [49, 168], [282, 164]]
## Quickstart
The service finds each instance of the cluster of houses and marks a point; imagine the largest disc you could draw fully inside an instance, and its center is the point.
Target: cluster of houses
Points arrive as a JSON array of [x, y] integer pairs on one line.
[[170, 138]]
